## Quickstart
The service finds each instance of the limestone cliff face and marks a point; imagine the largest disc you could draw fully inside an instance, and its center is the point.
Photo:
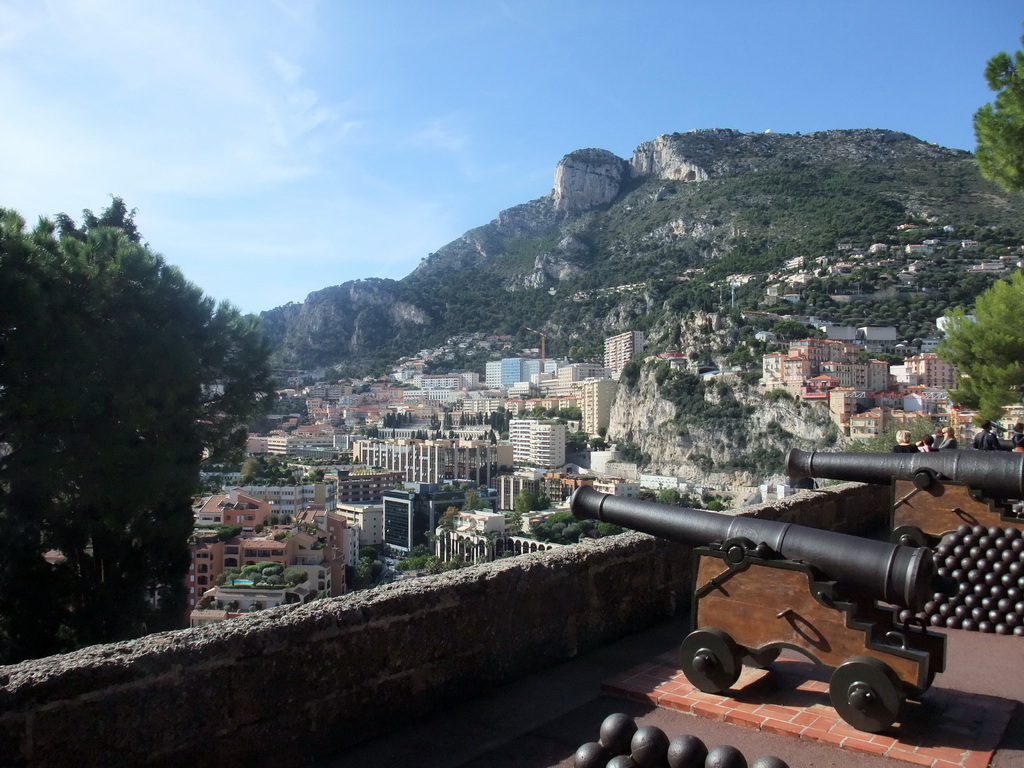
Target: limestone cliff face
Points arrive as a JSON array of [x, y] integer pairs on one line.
[[661, 158], [711, 454], [743, 448], [587, 178]]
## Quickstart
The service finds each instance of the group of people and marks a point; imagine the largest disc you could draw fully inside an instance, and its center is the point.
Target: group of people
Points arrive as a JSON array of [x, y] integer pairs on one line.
[[945, 440]]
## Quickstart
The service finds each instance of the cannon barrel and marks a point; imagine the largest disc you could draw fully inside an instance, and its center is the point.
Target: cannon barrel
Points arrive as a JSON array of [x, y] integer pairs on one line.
[[873, 569], [995, 474]]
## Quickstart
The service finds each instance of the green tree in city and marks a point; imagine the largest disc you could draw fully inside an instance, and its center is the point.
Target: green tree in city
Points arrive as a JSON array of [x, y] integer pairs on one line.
[[988, 350], [999, 126], [117, 375], [528, 500]]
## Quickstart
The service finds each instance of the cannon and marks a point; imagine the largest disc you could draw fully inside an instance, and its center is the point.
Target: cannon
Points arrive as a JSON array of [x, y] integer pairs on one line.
[[933, 494], [763, 585]]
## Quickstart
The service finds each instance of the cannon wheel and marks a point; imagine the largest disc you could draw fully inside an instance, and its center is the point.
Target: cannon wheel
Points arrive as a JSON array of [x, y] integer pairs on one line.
[[908, 536], [710, 659], [866, 693]]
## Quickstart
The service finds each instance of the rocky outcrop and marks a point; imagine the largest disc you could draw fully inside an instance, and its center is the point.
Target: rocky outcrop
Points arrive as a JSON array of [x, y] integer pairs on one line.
[[587, 178], [660, 158]]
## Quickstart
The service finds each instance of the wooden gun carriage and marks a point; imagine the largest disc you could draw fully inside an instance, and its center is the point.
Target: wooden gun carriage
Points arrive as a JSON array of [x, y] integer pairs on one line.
[[933, 494], [761, 586]]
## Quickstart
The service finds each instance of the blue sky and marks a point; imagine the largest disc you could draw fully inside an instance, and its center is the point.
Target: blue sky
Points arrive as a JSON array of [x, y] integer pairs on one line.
[[273, 148]]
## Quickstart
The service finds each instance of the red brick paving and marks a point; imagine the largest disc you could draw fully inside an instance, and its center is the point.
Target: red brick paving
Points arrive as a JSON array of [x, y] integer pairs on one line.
[[945, 729]]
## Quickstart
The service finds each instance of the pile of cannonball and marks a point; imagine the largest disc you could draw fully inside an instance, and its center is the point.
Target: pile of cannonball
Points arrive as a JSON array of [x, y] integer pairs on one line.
[[623, 745], [984, 571]]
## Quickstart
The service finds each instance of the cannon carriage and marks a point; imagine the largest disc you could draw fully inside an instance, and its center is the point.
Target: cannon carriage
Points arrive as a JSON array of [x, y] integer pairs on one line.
[[964, 507], [933, 494], [761, 586]]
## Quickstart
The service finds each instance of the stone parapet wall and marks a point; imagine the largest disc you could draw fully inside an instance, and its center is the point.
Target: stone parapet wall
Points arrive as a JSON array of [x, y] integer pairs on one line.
[[293, 684]]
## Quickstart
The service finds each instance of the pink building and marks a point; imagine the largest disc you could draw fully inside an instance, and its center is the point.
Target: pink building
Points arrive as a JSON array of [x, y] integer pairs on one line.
[[931, 371]]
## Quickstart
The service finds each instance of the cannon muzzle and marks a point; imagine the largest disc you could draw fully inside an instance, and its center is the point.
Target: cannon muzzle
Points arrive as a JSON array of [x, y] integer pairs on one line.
[[861, 567], [994, 474]]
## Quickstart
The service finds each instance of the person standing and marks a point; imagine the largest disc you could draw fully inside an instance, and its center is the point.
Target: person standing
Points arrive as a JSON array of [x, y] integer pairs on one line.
[[986, 440], [1017, 436]]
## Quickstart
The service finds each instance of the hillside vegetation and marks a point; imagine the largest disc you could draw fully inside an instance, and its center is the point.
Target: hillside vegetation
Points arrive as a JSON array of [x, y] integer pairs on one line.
[[657, 246]]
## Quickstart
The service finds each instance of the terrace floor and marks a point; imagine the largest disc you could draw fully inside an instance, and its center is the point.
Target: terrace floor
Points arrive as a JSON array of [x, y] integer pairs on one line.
[[972, 716]]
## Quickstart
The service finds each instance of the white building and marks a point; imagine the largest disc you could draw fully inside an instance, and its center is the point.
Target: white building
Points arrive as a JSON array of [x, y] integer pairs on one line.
[[537, 443]]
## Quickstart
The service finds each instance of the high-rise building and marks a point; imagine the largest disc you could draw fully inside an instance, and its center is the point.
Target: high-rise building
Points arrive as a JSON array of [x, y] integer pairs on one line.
[[509, 371], [537, 443], [619, 349], [595, 397]]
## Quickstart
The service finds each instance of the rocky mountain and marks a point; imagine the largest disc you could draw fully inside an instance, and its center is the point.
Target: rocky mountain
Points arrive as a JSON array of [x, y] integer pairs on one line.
[[618, 242]]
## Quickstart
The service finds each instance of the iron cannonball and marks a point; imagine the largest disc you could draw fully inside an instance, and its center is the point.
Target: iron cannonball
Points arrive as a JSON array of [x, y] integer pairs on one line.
[[591, 755], [649, 747], [616, 732], [686, 751], [725, 756], [622, 761]]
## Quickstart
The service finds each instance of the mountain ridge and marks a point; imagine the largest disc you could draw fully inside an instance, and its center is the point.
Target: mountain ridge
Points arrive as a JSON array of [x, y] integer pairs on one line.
[[685, 208]]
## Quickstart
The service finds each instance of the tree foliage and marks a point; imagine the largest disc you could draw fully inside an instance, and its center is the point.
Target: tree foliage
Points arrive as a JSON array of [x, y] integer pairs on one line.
[[116, 375], [988, 349], [999, 126]]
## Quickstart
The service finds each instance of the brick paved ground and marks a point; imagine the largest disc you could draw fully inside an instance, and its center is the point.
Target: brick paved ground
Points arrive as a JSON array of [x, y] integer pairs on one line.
[[945, 729]]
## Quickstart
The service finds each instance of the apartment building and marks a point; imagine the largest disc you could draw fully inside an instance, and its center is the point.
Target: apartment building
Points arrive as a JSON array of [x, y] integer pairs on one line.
[[437, 461], [367, 487], [510, 486], [595, 398], [292, 445], [236, 507], [366, 519], [868, 374], [537, 443], [929, 371], [619, 349], [290, 499]]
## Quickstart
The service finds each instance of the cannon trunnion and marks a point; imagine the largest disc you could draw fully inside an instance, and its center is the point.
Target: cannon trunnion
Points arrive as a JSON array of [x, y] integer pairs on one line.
[[761, 586], [933, 494]]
